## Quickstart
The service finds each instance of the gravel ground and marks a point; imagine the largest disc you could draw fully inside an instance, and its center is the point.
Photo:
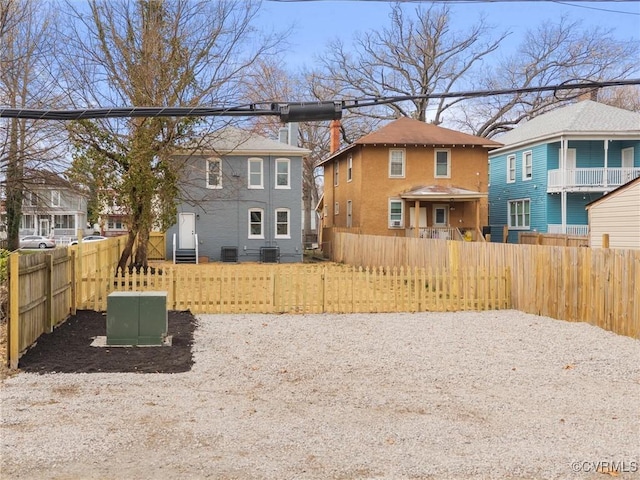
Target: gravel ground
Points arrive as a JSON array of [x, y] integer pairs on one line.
[[381, 396]]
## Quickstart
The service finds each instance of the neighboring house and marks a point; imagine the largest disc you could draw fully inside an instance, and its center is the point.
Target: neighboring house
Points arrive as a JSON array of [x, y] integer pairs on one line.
[[240, 197], [52, 206], [409, 174], [113, 218], [618, 215], [552, 166]]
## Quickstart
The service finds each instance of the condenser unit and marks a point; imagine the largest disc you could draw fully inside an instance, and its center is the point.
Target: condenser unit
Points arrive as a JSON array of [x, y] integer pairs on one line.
[[269, 254], [229, 254]]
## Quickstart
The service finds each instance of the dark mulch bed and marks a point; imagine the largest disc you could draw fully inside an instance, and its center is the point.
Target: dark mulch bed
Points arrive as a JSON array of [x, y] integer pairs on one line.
[[68, 348]]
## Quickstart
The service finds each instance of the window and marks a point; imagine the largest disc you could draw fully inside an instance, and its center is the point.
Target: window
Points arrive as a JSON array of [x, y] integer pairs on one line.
[[27, 222], [511, 168], [282, 223], [336, 164], [55, 198], [396, 163], [255, 173], [519, 214], [282, 173], [214, 173], [349, 168], [115, 225], [349, 213], [64, 221], [395, 214], [256, 223], [30, 199], [527, 165], [442, 164], [336, 208]]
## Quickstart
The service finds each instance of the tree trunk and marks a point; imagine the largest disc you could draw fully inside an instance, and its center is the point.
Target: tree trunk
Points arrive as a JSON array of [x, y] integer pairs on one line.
[[126, 252], [14, 188]]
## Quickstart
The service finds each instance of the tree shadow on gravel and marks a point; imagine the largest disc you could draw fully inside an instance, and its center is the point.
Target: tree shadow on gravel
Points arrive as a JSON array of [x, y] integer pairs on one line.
[[68, 348]]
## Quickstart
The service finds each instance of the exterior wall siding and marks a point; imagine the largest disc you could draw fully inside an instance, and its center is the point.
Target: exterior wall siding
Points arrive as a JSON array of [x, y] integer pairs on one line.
[[222, 218], [618, 216], [546, 208]]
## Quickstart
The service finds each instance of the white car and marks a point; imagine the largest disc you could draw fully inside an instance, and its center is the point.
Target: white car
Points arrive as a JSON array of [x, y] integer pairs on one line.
[[37, 241], [89, 238]]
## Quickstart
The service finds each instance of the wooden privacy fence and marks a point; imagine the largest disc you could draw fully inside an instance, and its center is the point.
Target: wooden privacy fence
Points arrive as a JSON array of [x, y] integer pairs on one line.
[[598, 286], [267, 288], [557, 239]]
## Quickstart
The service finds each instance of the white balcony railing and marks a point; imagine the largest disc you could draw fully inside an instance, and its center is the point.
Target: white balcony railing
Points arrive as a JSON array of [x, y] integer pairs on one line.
[[578, 230], [590, 179]]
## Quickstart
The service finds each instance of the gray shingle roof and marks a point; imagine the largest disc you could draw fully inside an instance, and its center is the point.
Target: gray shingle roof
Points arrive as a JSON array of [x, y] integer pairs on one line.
[[235, 140], [585, 117]]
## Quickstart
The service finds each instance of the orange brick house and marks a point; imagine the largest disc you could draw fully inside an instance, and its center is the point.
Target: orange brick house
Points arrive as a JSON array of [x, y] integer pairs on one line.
[[405, 175]]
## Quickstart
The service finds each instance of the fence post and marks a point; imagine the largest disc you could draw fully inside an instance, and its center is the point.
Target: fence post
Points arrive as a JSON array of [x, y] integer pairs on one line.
[[51, 320], [14, 309], [505, 234], [73, 283], [605, 240]]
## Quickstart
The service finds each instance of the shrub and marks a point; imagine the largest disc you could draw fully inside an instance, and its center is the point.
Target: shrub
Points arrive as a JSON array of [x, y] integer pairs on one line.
[[4, 265]]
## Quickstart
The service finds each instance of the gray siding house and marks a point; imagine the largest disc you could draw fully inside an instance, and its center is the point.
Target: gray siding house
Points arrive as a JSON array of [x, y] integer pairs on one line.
[[240, 197]]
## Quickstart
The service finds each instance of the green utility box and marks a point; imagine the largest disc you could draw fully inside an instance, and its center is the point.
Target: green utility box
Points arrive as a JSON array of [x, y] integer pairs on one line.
[[137, 318]]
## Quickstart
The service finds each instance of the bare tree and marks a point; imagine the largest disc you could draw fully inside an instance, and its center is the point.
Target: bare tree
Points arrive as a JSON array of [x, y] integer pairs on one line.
[[27, 78], [155, 53], [627, 97], [415, 55], [554, 53]]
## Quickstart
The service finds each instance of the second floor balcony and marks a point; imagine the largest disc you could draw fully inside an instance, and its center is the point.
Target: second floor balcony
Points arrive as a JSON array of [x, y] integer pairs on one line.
[[589, 179]]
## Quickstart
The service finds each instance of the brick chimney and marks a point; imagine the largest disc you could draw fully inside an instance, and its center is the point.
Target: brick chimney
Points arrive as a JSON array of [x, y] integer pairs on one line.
[[334, 130], [591, 94]]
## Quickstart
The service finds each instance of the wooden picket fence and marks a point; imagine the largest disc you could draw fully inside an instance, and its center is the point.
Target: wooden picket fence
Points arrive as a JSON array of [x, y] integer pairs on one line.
[[301, 288], [598, 286]]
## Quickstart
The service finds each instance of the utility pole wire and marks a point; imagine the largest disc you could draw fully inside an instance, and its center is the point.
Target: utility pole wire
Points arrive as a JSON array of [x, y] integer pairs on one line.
[[326, 110]]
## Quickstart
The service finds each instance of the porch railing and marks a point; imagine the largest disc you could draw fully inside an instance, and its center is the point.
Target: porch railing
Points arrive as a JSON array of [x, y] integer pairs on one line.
[[579, 230], [441, 233], [590, 178]]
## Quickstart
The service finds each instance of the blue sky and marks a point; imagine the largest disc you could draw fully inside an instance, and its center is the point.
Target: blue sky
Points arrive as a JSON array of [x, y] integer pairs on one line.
[[317, 22]]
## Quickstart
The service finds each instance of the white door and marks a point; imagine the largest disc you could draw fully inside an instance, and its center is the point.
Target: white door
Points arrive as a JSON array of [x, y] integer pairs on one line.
[[570, 166], [44, 227], [187, 231], [627, 164], [440, 216]]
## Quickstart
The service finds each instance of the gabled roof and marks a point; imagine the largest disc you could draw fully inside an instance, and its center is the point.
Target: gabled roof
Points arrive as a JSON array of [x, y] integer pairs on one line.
[[584, 118], [613, 192], [237, 141], [441, 192], [407, 131]]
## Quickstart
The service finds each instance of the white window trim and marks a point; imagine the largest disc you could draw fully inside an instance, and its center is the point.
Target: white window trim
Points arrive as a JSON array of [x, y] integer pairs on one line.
[[524, 165], [219, 185], [55, 195], [435, 163], [336, 208], [509, 158], [349, 168], [404, 162], [288, 212], [288, 163], [250, 211], [517, 200], [349, 213], [392, 223], [249, 162], [336, 172]]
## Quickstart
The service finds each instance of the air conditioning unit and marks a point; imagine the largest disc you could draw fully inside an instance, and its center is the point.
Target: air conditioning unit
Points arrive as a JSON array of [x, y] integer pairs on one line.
[[269, 254], [229, 254], [396, 223]]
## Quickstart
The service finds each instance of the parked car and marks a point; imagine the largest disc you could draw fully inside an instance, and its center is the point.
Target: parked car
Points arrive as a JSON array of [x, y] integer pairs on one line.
[[89, 238], [37, 241]]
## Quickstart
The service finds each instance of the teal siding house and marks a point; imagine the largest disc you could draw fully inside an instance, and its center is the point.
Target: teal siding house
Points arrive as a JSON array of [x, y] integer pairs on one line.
[[552, 166]]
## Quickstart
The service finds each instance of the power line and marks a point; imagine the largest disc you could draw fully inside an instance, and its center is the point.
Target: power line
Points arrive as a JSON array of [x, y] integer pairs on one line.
[[287, 111]]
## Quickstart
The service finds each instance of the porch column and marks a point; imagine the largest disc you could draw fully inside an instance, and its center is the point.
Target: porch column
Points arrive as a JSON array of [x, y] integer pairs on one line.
[[416, 219], [605, 174], [563, 194]]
